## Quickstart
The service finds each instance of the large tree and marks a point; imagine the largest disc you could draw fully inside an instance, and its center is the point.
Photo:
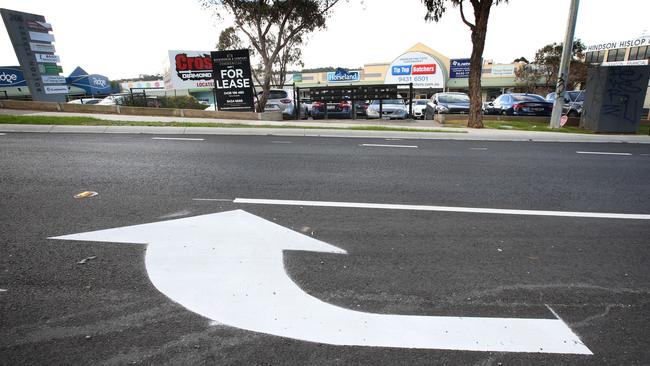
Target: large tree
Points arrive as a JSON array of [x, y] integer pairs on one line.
[[270, 26], [548, 58], [481, 14]]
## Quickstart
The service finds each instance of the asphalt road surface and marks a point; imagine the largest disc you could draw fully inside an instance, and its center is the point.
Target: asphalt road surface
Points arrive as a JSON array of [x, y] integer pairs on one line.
[[593, 273]]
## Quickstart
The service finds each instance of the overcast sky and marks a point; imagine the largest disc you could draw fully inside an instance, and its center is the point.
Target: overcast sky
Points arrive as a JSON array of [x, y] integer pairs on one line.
[[125, 38]]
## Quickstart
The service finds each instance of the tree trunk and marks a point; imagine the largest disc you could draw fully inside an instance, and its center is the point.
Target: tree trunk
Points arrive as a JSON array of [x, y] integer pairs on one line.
[[266, 86], [478, 44]]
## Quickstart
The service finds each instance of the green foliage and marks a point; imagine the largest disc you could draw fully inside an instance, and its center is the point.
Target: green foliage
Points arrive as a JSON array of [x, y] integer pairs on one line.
[[548, 59], [182, 102], [274, 29]]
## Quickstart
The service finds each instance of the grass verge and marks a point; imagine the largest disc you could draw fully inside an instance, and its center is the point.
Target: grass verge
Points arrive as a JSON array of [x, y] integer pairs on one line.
[[644, 128], [91, 121]]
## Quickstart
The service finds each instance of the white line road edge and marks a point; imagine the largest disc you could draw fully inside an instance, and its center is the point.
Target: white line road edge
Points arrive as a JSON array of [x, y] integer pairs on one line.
[[229, 267], [383, 145], [602, 153], [600, 215], [176, 138]]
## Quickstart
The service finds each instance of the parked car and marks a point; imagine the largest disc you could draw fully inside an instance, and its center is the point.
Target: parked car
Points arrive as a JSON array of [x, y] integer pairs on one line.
[[520, 105], [113, 99], [283, 100], [361, 107], [342, 109], [391, 109], [444, 103], [418, 106], [573, 102], [305, 104], [85, 101]]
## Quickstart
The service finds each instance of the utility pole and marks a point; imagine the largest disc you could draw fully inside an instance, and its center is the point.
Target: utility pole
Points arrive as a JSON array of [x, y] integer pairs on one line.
[[565, 62]]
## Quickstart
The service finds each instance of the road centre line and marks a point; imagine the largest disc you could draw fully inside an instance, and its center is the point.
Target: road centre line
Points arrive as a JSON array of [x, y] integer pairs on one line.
[[213, 199], [600, 215], [176, 138], [382, 145], [601, 153], [2, 134], [478, 148], [281, 142]]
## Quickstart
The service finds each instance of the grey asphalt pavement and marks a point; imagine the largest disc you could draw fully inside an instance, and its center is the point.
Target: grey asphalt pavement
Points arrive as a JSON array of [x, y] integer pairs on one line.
[[592, 272]]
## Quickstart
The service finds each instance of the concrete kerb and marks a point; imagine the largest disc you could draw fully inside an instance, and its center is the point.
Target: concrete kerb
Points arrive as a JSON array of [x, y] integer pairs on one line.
[[473, 135]]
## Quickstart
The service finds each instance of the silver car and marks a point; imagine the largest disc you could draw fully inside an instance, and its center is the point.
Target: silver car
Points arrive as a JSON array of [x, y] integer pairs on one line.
[[282, 100], [391, 109]]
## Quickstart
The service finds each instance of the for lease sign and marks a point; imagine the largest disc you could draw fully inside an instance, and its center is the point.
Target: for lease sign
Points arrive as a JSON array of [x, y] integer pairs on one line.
[[233, 80]]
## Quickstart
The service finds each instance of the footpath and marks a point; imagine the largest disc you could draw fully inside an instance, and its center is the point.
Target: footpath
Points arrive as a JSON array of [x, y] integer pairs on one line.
[[329, 128]]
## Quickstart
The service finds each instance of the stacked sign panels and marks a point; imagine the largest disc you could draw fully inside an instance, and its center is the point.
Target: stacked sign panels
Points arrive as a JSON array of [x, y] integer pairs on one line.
[[32, 41]]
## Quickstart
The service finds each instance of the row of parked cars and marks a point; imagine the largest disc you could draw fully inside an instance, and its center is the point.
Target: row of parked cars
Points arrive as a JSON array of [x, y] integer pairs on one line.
[[516, 104]]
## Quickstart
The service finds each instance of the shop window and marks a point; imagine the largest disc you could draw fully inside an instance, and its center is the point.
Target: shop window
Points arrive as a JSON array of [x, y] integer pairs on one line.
[[639, 53], [617, 54]]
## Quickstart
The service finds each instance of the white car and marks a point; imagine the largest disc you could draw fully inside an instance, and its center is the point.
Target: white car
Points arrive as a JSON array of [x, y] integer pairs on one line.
[[391, 109], [418, 106], [112, 100], [85, 101]]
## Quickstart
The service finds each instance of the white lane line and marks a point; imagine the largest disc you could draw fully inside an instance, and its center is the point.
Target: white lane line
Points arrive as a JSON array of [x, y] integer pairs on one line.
[[176, 138], [213, 199], [2, 134], [281, 142], [600, 215], [478, 148], [601, 153], [645, 154], [2, 290], [381, 145]]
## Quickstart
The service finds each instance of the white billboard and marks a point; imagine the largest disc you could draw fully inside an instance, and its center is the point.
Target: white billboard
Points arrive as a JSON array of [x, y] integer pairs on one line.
[[190, 70], [418, 68]]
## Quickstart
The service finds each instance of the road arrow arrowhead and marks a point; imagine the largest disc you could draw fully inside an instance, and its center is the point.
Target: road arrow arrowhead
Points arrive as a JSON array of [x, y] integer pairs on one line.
[[229, 268]]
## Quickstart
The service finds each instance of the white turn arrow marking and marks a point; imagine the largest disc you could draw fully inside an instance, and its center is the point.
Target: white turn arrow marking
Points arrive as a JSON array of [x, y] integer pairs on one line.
[[229, 267]]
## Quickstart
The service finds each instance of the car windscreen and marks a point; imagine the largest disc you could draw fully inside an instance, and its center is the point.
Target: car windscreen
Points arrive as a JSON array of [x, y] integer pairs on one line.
[[277, 94], [576, 96], [527, 98], [453, 98], [420, 102]]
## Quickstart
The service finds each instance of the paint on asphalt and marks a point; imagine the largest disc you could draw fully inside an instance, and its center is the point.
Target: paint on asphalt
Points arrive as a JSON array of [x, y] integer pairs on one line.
[[602, 215], [229, 267], [176, 138], [601, 153], [382, 145]]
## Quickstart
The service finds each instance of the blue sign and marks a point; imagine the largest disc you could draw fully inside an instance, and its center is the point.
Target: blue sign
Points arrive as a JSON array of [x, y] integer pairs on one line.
[[459, 68], [401, 70], [12, 76], [92, 84], [343, 75]]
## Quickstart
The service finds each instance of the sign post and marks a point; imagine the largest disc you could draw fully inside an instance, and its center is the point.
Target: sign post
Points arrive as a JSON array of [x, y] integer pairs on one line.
[[29, 34], [233, 80]]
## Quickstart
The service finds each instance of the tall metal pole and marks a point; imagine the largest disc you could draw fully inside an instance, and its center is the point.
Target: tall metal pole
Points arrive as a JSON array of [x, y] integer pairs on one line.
[[565, 62]]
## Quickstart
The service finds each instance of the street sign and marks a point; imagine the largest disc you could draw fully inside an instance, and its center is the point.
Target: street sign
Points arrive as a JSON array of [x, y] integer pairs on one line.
[[29, 34], [233, 80], [564, 120], [229, 267]]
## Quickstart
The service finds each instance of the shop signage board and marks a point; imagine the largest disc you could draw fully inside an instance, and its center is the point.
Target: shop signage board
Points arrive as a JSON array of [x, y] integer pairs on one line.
[[342, 75], [53, 79], [41, 47], [297, 78], [56, 89], [190, 70], [503, 70], [459, 68], [636, 42], [46, 57], [419, 68], [32, 42], [11, 77], [233, 80], [50, 69]]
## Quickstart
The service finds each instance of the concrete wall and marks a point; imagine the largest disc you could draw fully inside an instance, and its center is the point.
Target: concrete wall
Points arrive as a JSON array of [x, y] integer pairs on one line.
[[137, 111]]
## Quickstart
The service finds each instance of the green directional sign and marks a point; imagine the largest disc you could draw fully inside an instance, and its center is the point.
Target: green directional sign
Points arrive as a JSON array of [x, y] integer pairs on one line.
[[50, 69], [297, 78]]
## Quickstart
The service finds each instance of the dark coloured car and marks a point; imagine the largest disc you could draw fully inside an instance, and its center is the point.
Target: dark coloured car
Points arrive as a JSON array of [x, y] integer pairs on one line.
[[573, 102], [334, 110], [444, 103], [519, 105]]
